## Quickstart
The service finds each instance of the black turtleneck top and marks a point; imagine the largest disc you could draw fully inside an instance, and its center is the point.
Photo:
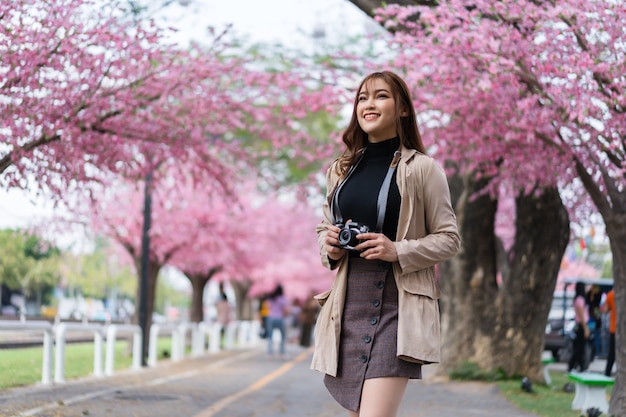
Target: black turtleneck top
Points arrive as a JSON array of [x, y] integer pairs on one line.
[[359, 195]]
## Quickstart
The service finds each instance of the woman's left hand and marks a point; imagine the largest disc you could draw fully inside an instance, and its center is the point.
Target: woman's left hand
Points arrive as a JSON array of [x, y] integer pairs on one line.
[[377, 246]]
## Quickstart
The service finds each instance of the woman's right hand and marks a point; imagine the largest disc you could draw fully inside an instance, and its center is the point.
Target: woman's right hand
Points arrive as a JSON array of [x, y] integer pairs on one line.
[[332, 244]]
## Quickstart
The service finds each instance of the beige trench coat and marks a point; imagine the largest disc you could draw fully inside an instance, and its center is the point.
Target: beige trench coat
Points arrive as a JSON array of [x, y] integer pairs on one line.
[[427, 234]]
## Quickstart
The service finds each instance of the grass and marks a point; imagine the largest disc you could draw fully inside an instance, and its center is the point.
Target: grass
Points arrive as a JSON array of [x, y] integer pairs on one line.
[[545, 401], [22, 366]]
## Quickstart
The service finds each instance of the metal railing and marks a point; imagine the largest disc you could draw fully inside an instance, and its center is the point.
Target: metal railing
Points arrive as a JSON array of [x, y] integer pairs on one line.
[[43, 326], [112, 331], [235, 334], [60, 332]]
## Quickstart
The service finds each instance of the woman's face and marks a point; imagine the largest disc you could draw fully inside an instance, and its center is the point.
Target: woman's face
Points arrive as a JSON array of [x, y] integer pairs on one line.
[[376, 110]]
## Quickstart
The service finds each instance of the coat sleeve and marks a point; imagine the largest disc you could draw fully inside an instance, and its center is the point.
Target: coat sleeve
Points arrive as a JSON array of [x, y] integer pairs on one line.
[[322, 227], [442, 240]]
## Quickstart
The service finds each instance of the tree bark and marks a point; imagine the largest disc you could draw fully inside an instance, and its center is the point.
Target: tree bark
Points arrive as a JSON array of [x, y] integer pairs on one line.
[[498, 321], [243, 309], [198, 283], [153, 273], [368, 6]]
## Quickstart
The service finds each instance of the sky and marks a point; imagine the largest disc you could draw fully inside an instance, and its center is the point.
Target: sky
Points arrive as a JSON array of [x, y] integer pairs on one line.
[[291, 23]]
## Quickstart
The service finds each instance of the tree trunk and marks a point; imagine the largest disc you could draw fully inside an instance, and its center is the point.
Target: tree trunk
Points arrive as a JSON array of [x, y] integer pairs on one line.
[[501, 325], [153, 274], [198, 283], [243, 303], [542, 235], [616, 231]]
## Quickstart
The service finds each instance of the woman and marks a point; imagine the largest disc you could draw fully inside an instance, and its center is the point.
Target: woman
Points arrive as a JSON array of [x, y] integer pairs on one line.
[[224, 315], [277, 310], [581, 331], [380, 320], [609, 307]]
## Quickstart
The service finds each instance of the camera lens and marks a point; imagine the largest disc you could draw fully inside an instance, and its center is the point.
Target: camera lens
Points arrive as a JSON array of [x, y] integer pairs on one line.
[[344, 236]]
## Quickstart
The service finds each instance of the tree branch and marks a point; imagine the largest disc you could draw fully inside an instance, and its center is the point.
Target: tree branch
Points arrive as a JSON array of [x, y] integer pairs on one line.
[[368, 6]]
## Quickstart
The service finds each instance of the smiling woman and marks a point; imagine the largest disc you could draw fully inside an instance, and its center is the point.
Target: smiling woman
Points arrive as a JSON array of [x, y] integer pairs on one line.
[[383, 303], [376, 110]]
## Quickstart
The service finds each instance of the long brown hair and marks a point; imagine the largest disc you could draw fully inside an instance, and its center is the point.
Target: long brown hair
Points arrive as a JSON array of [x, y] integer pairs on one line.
[[406, 126]]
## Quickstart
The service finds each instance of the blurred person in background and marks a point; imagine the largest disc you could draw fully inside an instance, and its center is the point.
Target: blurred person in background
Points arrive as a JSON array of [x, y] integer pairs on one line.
[[609, 307], [581, 331], [224, 314], [594, 299]]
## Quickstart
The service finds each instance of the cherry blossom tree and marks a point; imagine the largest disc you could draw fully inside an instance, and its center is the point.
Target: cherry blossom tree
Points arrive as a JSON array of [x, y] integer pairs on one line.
[[240, 235], [88, 94], [285, 245], [255, 242], [86, 90]]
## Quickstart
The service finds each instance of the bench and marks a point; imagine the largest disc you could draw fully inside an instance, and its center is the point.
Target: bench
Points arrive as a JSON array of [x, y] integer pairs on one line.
[[590, 390], [546, 374]]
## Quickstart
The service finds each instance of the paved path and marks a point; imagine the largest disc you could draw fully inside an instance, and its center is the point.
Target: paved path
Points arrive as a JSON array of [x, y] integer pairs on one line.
[[241, 383]]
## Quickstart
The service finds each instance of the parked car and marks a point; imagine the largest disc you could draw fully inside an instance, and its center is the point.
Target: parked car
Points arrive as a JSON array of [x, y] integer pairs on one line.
[[561, 319]]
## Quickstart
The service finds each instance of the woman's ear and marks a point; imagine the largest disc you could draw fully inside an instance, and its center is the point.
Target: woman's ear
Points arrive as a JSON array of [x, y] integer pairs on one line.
[[404, 113]]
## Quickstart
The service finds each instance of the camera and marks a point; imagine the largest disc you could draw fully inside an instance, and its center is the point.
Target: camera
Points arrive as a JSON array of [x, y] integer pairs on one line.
[[347, 234]]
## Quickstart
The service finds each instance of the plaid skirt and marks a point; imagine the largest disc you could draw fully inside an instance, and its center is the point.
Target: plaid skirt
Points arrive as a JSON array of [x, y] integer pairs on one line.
[[369, 331]]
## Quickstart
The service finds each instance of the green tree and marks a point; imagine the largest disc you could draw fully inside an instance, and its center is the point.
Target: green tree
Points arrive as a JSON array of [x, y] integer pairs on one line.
[[97, 273], [167, 295], [28, 263]]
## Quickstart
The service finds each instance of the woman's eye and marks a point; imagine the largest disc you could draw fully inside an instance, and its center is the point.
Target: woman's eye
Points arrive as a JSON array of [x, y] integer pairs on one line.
[[362, 98]]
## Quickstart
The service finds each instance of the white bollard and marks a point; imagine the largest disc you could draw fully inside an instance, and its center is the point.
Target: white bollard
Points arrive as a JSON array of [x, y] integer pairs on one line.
[[47, 328], [112, 331], [97, 353], [198, 338], [255, 331], [152, 344], [155, 331], [178, 348], [59, 361], [243, 335], [215, 334], [229, 337], [181, 344], [46, 371], [61, 330], [176, 342], [137, 341]]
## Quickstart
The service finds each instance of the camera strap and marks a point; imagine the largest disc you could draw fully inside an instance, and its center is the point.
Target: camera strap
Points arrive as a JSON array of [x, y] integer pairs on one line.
[[381, 205]]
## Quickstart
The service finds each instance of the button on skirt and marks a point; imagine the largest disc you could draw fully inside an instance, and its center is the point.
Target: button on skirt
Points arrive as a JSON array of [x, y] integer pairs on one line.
[[369, 332]]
